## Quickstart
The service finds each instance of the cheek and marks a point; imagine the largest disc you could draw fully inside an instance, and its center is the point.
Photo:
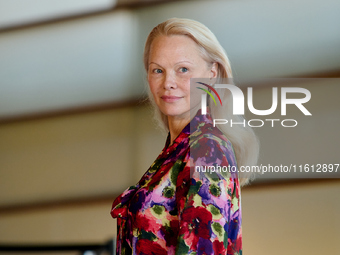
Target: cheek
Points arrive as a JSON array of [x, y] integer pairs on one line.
[[153, 88], [195, 96], [186, 84]]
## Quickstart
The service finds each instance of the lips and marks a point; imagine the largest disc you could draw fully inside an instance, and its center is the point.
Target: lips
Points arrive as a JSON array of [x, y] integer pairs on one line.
[[170, 99]]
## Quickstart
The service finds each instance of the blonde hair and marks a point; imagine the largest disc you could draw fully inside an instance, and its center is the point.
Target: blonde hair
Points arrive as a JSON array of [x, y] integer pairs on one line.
[[243, 139]]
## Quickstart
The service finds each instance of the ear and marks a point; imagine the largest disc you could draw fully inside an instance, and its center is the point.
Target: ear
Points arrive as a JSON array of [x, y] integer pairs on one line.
[[214, 70]]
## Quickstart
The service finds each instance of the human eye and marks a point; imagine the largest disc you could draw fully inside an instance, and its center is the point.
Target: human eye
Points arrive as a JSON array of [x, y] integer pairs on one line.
[[183, 69], [157, 70]]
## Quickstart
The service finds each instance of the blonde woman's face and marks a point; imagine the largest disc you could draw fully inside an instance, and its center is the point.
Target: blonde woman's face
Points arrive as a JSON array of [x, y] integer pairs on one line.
[[173, 60]]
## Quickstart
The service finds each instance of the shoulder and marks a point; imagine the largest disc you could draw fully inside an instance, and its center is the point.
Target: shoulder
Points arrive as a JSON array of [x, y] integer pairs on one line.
[[211, 146], [210, 160]]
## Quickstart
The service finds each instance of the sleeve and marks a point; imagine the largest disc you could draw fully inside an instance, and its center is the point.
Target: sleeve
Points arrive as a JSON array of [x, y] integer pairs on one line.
[[209, 205]]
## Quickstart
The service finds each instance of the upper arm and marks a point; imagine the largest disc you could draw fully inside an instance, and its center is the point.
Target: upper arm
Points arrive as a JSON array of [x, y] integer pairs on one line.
[[209, 203]]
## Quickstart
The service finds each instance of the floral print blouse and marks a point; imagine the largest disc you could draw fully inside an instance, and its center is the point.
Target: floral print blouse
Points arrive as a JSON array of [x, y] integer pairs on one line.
[[178, 207]]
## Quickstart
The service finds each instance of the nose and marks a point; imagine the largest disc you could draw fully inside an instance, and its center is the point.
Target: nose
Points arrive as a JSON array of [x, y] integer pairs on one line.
[[170, 81]]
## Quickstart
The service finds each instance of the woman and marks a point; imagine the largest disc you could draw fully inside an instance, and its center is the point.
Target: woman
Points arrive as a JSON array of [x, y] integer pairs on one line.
[[175, 209]]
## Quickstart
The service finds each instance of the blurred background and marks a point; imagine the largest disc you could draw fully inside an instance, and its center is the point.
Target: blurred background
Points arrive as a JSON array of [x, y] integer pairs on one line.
[[75, 130]]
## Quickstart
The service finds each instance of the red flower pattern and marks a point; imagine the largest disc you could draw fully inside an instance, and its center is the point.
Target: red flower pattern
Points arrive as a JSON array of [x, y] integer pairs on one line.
[[148, 247], [186, 220], [196, 224]]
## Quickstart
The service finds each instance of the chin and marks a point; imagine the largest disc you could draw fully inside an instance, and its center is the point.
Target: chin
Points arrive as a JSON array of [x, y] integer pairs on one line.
[[172, 113], [179, 114], [173, 110]]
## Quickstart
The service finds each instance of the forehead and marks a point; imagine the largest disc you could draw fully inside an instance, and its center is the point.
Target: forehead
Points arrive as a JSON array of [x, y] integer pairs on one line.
[[173, 46]]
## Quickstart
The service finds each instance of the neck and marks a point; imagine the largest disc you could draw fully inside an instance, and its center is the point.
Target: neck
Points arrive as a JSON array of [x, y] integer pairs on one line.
[[176, 126]]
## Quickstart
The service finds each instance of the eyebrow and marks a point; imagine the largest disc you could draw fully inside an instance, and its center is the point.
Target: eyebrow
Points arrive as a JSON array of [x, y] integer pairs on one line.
[[153, 63], [175, 63], [183, 61]]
